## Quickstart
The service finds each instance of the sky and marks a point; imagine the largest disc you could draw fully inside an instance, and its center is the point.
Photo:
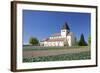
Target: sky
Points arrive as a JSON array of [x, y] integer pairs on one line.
[[41, 24]]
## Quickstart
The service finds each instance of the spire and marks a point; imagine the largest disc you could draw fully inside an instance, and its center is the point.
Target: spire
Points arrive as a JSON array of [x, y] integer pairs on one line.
[[65, 26]]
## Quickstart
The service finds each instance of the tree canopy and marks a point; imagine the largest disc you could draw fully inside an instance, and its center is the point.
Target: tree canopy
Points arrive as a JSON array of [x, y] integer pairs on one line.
[[89, 39], [82, 41], [33, 41]]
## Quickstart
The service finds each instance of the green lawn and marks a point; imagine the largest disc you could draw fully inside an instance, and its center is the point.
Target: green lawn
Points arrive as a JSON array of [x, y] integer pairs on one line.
[[28, 48], [62, 57]]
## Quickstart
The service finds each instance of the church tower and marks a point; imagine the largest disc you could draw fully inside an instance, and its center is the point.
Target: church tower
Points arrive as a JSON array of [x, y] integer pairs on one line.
[[65, 30]]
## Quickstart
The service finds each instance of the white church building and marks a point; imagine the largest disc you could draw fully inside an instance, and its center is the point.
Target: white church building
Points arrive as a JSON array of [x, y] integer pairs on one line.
[[64, 38]]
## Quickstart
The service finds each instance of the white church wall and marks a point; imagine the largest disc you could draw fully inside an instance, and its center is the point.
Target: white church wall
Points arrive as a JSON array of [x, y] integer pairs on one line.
[[45, 43], [57, 43], [73, 39], [63, 33], [61, 43], [69, 40]]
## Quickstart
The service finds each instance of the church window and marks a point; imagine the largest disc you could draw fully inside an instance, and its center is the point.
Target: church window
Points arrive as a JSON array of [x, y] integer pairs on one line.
[[63, 31]]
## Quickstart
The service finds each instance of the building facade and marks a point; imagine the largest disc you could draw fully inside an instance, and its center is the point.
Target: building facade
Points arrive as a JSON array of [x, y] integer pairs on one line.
[[64, 38]]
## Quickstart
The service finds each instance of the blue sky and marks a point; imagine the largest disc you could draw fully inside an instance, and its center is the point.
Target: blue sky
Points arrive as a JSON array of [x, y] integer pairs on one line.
[[41, 24]]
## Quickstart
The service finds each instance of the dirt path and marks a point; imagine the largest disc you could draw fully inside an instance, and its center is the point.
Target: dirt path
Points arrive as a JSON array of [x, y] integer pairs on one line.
[[36, 53]]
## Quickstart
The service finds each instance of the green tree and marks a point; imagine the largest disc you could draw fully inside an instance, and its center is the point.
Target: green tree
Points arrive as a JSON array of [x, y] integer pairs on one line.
[[82, 41], [33, 41], [76, 42], [89, 40]]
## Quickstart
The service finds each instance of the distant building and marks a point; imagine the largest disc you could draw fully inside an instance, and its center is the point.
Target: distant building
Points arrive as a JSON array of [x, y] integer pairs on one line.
[[64, 38]]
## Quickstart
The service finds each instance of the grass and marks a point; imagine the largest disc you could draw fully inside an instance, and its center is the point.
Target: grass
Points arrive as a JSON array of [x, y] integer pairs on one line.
[[62, 57], [51, 48]]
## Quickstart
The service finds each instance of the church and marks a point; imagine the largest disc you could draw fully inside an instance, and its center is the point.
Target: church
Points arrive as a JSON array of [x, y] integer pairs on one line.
[[64, 38]]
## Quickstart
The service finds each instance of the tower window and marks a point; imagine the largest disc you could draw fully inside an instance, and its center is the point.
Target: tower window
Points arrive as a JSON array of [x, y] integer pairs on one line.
[[63, 31]]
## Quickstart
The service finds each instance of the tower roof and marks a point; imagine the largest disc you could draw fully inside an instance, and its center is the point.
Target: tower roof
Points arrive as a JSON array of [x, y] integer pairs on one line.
[[65, 26]]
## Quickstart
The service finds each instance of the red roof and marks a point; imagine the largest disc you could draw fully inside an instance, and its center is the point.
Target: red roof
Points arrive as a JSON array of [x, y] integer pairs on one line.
[[54, 40], [55, 34]]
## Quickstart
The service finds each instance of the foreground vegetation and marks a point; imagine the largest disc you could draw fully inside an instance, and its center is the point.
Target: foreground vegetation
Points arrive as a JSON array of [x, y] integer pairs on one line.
[[62, 57]]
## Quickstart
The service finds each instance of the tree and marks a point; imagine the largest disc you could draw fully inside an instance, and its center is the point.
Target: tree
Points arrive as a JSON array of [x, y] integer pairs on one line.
[[82, 41], [89, 40], [76, 42], [33, 41]]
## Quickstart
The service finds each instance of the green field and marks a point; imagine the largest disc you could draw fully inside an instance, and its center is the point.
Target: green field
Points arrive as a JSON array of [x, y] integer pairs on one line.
[[28, 48], [62, 57]]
